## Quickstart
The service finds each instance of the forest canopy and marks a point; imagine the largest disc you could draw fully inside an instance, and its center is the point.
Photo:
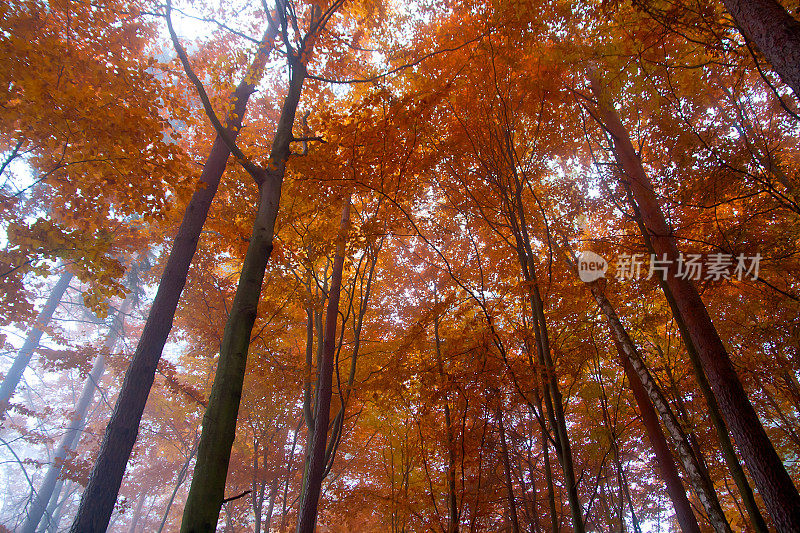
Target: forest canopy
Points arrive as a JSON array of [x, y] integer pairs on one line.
[[358, 265]]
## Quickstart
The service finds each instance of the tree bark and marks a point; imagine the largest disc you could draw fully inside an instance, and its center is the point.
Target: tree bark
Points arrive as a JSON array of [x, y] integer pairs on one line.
[[512, 503], [774, 31], [771, 478], [219, 422], [56, 508], [273, 494], [322, 402], [721, 429], [97, 502], [69, 440], [665, 461], [23, 358], [702, 486]]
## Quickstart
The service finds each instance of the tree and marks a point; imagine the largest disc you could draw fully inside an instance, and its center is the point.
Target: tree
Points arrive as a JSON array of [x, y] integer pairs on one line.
[[101, 491], [769, 474]]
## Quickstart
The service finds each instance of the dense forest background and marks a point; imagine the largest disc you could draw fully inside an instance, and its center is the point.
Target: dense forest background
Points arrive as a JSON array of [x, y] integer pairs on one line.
[[357, 265]]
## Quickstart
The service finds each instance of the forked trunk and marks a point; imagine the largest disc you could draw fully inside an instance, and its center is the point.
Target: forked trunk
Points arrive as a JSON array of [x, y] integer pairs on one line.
[[206, 493], [97, 502]]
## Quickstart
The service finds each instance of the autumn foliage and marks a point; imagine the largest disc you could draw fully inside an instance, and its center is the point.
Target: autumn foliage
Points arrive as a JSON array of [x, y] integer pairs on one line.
[[383, 322]]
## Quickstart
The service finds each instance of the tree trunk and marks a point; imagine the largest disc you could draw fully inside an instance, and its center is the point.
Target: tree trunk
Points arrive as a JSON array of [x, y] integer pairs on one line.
[[97, 502], [770, 475], [452, 500], [774, 31], [56, 508], [700, 483], [14, 374], [219, 422], [181, 476], [548, 472], [664, 459], [316, 465], [273, 493], [553, 398], [512, 503], [137, 512], [258, 485], [77, 422], [52, 507], [721, 429]]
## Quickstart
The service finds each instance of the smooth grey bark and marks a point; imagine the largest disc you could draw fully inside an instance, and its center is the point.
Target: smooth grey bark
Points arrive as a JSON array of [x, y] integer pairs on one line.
[[23, 358], [137, 512], [71, 437]]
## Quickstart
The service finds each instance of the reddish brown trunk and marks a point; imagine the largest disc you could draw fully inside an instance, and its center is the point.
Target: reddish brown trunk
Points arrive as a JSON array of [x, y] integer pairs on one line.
[[316, 465], [664, 459], [774, 31], [512, 503], [627, 352], [100, 494], [769, 474]]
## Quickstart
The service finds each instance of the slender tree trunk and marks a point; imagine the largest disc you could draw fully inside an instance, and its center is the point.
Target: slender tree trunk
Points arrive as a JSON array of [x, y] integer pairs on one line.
[[548, 473], [665, 461], [257, 492], [23, 358], [101, 491], [512, 503], [316, 465], [285, 498], [49, 513], [721, 429], [137, 512], [452, 500], [77, 422], [273, 493], [622, 483], [181, 477], [553, 398], [219, 422], [705, 490], [770, 475], [775, 32], [56, 508]]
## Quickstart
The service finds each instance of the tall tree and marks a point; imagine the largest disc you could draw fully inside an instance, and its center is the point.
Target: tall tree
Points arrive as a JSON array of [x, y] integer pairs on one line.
[[770, 475], [101, 491], [23, 358]]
